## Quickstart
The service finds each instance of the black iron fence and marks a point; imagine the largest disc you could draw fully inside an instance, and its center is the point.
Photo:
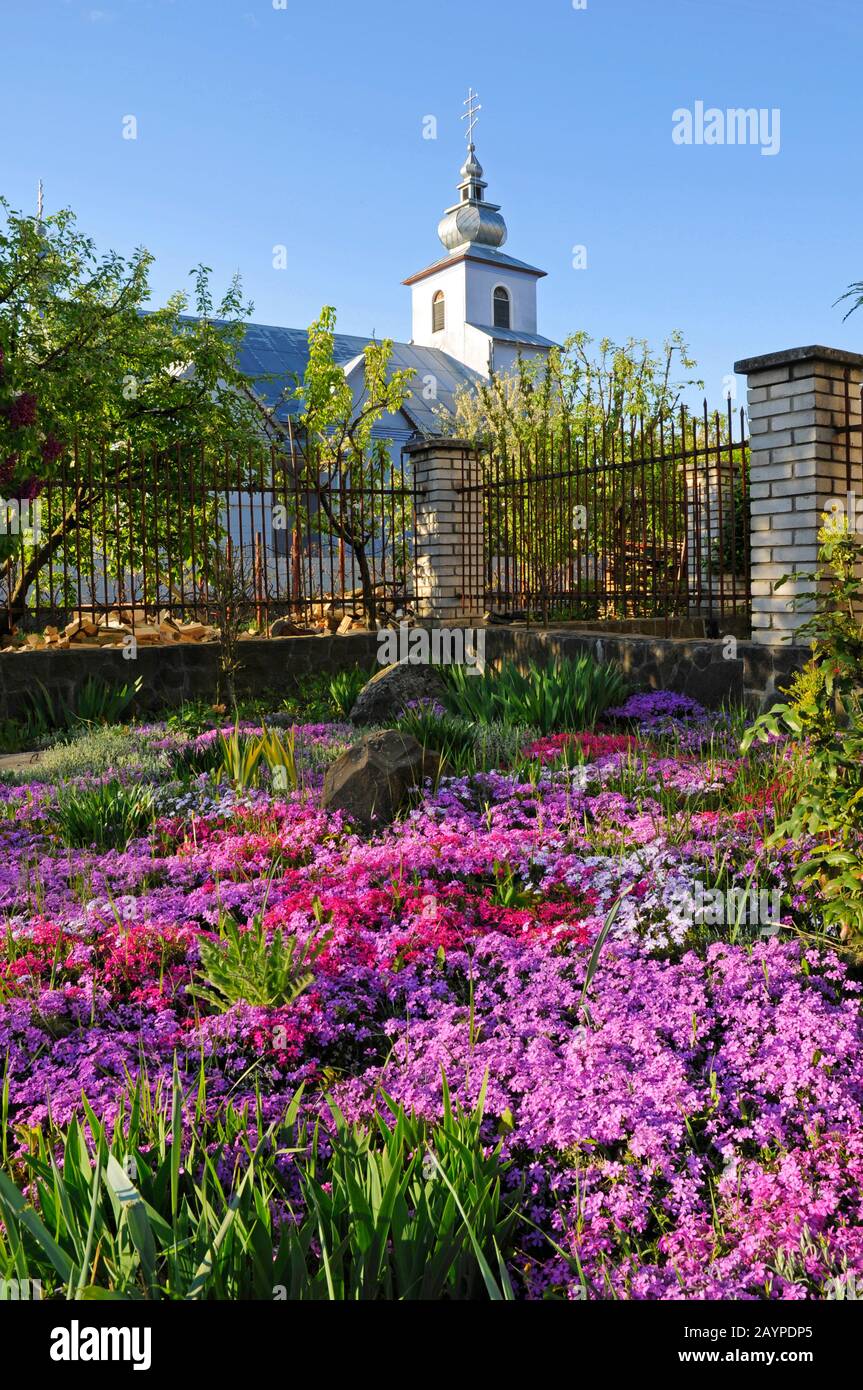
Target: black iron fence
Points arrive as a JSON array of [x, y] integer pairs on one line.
[[850, 431], [650, 521], [206, 534]]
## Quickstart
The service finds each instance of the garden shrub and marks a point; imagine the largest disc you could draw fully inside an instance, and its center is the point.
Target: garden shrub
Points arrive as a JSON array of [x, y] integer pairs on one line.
[[344, 688], [96, 702], [824, 720], [263, 969], [464, 747], [106, 815], [566, 695]]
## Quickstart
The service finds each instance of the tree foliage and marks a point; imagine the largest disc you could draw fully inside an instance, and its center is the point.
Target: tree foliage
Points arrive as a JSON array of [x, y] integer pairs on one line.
[[579, 387], [331, 447], [569, 519], [86, 368]]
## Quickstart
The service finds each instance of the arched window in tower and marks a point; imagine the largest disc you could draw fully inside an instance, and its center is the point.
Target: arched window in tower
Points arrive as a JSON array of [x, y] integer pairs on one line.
[[501, 308], [438, 312]]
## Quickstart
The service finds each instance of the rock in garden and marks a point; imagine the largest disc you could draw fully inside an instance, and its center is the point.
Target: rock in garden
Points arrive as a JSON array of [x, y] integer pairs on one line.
[[388, 692], [372, 781]]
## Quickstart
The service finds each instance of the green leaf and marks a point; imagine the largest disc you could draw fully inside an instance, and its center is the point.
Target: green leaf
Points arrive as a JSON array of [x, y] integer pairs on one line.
[[17, 1211]]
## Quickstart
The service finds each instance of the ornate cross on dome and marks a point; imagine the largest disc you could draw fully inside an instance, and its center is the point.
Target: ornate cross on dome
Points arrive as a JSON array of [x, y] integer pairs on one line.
[[471, 115]]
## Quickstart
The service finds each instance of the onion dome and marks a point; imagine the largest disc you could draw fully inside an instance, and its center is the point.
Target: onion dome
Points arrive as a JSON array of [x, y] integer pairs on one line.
[[472, 221]]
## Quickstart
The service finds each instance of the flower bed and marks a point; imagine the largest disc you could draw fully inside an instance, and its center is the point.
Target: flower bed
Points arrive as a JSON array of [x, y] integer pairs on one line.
[[679, 1100]]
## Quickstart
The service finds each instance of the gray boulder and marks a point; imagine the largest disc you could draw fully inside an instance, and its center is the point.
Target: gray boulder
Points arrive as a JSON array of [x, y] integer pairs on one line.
[[371, 781], [390, 690]]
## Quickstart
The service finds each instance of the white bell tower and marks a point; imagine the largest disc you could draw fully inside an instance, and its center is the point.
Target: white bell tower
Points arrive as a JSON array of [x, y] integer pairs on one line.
[[476, 304]]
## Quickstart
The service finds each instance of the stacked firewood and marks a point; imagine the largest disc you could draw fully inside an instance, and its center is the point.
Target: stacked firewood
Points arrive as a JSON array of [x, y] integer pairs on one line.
[[114, 628], [329, 614]]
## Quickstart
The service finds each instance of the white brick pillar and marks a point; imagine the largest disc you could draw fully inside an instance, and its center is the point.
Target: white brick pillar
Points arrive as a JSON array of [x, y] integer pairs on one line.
[[801, 455], [448, 531]]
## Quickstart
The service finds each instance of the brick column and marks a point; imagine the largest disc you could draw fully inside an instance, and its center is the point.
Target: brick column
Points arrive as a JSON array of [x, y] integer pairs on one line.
[[448, 531], [799, 459]]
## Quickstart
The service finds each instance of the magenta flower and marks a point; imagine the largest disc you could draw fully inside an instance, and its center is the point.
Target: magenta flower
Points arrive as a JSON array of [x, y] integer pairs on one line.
[[22, 411]]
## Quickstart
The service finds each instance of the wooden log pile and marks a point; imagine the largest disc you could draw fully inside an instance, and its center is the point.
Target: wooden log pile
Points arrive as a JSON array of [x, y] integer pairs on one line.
[[113, 629]]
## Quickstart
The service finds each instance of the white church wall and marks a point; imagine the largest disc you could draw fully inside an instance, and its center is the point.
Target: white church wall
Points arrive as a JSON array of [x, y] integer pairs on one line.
[[468, 288], [450, 279], [505, 355], [482, 280], [458, 339], [478, 352]]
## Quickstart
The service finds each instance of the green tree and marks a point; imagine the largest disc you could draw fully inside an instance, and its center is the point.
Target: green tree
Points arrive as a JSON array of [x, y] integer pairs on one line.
[[330, 447], [578, 449], [87, 371], [577, 387]]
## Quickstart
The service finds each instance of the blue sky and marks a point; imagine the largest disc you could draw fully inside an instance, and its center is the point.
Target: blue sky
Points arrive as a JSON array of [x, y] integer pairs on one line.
[[303, 127]]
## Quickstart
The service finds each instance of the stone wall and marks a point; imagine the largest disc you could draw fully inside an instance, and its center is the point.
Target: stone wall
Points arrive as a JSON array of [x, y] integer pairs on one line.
[[754, 676], [695, 667], [186, 671]]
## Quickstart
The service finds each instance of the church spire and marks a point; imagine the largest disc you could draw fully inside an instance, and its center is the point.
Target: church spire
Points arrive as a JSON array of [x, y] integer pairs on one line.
[[472, 221]]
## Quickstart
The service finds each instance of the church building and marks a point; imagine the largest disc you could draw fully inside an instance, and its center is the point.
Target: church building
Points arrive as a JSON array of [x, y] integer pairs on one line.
[[474, 312]]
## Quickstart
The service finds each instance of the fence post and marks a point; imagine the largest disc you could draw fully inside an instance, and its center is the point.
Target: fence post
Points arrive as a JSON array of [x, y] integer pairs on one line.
[[802, 454], [448, 530]]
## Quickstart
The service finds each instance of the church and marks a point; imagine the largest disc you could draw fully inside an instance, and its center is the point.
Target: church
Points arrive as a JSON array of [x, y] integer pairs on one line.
[[474, 312]]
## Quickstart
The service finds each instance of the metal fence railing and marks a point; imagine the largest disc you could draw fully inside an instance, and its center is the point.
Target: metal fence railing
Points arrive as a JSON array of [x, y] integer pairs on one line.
[[190, 530], [648, 521]]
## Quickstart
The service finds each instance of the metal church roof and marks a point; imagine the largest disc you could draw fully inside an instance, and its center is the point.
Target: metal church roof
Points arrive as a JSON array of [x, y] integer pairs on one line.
[[475, 252], [433, 368], [282, 353], [271, 357], [515, 335]]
